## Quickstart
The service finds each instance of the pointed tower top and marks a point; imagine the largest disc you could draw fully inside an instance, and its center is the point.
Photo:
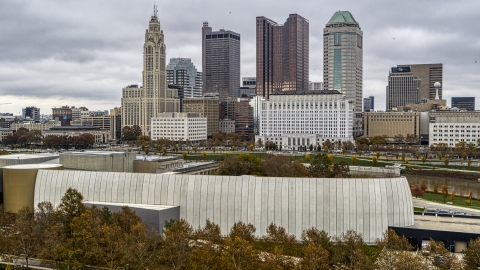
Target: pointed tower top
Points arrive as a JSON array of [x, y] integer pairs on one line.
[[155, 10]]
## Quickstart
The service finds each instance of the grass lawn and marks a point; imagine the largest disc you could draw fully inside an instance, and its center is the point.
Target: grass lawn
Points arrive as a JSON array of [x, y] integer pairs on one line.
[[459, 201], [418, 209]]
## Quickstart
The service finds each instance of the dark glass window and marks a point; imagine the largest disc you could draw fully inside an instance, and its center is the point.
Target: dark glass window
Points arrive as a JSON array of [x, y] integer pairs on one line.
[[209, 36]]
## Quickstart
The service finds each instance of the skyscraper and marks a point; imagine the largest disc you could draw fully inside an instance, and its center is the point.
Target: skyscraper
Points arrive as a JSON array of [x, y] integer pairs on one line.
[[369, 104], [182, 72], [32, 112], [140, 104], [282, 55], [220, 62], [464, 103], [412, 84], [343, 60]]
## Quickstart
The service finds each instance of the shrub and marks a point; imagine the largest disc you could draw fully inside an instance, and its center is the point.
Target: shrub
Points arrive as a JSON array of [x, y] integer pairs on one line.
[[435, 189], [468, 202]]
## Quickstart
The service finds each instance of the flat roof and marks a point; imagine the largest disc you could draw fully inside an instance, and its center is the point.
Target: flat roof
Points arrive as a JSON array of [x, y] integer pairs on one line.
[[32, 166], [306, 92], [457, 224], [93, 153], [132, 205], [26, 156], [156, 158]]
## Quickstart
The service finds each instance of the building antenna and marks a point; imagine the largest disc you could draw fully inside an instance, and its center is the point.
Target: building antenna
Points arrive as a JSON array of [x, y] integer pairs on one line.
[[154, 10]]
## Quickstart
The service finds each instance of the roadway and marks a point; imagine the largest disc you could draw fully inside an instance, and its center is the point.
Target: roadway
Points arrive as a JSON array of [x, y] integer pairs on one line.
[[432, 205]]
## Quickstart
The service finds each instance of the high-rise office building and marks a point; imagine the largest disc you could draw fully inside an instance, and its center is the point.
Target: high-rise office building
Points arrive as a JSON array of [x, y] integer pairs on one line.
[[428, 74], [343, 61], [315, 86], [282, 55], [369, 104], [182, 72], [412, 84], [464, 103], [31, 112], [220, 62], [140, 104]]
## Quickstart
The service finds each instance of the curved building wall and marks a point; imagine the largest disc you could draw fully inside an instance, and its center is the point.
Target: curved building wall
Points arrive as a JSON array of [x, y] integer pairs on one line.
[[367, 206], [19, 185]]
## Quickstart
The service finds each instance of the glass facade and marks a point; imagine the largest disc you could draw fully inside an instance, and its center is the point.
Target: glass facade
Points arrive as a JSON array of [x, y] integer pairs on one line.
[[337, 70]]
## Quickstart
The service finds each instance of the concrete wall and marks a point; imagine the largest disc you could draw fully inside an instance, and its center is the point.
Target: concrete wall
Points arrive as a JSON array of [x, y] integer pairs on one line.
[[114, 162], [459, 186], [24, 159], [154, 218], [367, 206]]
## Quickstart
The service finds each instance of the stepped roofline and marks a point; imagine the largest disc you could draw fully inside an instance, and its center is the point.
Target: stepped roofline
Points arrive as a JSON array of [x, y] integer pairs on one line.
[[342, 17]]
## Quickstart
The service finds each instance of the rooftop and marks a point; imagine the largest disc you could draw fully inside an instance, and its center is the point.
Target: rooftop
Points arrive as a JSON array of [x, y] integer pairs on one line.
[[342, 17], [306, 92]]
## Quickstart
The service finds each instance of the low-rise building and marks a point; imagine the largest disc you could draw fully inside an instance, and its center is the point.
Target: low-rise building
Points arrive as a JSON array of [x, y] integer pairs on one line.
[[292, 119], [179, 127], [4, 132], [226, 126], [207, 107], [101, 136], [391, 124], [36, 126], [452, 127]]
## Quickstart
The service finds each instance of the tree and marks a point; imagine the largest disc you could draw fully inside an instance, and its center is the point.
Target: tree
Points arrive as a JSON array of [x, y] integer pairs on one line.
[[423, 185], [360, 153], [417, 155], [184, 154], [446, 161], [25, 237], [452, 196], [469, 162], [374, 161], [444, 192], [251, 146], [325, 148], [204, 155], [471, 256], [143, 140], [435, 189], [311, 147], [128, 134], [70, 207], [354, 159], [424, 159], [396, 155], [243, 164], [282, 166], [377, 154], [322, 166], [307, 157], [438, 256], [348, 253], [440, 155], [176, 249], [137, 131], [259, 143], [317, 250], [417, 191]]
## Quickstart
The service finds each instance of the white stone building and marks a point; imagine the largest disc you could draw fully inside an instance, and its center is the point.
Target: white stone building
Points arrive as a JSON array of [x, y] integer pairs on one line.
[[179, 126], [452, 127], [294, 118]]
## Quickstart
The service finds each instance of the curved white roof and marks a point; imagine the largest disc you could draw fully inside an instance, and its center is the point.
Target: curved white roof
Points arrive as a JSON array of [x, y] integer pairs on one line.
[[367, 206]]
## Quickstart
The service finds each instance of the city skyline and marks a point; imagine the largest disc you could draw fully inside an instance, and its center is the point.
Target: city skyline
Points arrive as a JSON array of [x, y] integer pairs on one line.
[[83, 54]]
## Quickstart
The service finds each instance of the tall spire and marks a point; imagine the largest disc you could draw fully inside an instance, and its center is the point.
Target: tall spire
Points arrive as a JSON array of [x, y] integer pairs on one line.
[[155, 10]]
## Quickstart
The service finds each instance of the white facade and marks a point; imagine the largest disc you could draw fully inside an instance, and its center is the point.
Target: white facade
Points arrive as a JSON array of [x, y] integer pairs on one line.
[[292, 119], [179, 126], [334, 205], [452, 129]]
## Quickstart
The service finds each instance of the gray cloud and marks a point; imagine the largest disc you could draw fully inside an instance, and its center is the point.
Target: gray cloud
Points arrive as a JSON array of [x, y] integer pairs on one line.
[[83, 52]]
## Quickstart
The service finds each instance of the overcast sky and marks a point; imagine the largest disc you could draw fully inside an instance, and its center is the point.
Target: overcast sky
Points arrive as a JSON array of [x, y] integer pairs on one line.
[[82, 53]]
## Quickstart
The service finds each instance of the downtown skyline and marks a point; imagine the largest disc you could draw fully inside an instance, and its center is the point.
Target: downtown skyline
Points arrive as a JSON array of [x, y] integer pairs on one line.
[[83, 54]]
